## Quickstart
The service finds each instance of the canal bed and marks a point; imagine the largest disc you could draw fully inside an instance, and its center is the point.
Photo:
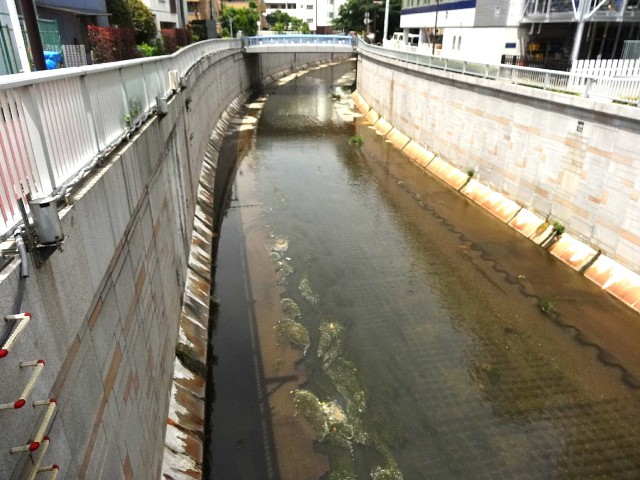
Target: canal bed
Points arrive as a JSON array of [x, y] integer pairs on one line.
[[427, 345]]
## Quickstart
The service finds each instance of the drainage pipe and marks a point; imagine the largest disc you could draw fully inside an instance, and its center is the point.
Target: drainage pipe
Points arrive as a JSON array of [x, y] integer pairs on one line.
[[24, 273]]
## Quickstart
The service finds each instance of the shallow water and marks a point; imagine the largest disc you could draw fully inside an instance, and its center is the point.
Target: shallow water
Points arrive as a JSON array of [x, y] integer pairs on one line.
[[445, 367]]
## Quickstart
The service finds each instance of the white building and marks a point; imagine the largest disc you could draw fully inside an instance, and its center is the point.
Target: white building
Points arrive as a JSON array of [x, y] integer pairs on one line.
[[531, 32], [168, 13], [319, 14]]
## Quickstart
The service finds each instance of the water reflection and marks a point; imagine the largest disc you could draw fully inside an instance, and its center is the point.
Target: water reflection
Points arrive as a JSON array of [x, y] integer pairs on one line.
[[428, 354]]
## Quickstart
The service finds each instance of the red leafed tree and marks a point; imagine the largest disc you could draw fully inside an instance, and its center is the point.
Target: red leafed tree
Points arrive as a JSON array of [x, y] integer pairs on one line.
[[183, 37], [112, 44], [169, 40]]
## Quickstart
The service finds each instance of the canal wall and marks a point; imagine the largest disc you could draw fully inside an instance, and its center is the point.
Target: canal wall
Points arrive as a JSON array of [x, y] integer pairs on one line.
[[105, 310], [559, 160]]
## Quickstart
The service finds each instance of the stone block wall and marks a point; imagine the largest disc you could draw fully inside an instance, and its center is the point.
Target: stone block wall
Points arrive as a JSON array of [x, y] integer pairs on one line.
[[569, 159]]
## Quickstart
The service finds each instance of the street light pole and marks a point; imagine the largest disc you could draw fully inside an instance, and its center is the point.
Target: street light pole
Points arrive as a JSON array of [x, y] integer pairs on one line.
[[386, 21], [231, 26], [435, 30], [366, 23]]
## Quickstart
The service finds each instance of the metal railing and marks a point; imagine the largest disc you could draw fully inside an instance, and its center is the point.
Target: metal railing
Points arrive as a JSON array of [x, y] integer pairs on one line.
[[624, 89], [54, 125], [280, 40]]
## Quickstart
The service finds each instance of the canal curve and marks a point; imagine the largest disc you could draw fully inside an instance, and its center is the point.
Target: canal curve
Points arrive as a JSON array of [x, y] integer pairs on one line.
[[373, 323]]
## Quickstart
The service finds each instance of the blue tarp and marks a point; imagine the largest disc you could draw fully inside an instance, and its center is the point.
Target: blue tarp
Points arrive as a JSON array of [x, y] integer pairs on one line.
[[52, 59]]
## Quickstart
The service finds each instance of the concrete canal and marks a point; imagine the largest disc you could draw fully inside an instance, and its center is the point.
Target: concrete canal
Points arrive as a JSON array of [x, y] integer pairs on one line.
[[375, 324]]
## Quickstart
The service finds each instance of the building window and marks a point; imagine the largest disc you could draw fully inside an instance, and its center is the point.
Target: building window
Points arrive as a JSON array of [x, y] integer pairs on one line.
[[459, 41], [309, 20], [309, 7], [330, 14]]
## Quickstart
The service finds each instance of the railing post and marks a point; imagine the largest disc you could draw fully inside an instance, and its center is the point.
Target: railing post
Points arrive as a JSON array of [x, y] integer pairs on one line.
[[588, 85], [38, 139], [464, 67], [486, 70], [88, 107], [545, 83]]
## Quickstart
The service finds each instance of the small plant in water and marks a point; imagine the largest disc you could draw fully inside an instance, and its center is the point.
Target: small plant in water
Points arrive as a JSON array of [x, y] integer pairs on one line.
[[356, 141], [558, 228], [547, 306]]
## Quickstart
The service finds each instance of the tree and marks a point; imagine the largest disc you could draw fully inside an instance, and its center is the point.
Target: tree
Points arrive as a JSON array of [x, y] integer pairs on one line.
[[133, 14], [144, 23], [351, 17], [281, 21], [240, 19]]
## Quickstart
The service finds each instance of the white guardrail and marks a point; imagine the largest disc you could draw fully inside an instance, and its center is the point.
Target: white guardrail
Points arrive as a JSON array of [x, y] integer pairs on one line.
[[55, 124], [624, 90], [264, 40]]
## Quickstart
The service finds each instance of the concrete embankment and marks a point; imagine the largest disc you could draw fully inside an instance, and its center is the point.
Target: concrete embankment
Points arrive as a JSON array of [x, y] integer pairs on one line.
[[559, 169]]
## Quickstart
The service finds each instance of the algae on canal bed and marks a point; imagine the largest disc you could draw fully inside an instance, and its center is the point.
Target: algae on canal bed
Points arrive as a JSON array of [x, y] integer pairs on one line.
[[293, 333]]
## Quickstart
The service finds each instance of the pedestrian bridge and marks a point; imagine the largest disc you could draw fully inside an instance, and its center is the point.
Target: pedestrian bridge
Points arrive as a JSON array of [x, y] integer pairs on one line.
[[300, 44]]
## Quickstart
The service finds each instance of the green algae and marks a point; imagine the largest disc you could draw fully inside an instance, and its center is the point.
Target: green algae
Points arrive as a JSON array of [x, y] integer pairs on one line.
[[307, 292], [341, 474], [341, 371], [283, 270], [308, 405], [330, 344], [280, 245], [386, 474], [292, 333], [291, 309]]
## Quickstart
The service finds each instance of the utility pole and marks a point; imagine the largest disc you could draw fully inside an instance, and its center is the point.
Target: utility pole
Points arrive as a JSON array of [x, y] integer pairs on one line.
[[33, 33], [435, 30], [386, 22]]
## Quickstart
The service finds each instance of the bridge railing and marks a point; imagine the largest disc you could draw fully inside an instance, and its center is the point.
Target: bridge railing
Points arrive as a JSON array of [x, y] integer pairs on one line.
[[625, 90], [294, 40], [55, 124]]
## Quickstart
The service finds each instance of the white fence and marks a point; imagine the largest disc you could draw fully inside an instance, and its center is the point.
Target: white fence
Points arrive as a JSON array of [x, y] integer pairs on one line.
[[292, 39], [55, 124], [617, 82]]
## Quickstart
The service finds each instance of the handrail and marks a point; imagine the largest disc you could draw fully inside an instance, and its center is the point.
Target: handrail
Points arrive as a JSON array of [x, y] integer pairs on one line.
[[622, 90], [294, 39], [46, 143]]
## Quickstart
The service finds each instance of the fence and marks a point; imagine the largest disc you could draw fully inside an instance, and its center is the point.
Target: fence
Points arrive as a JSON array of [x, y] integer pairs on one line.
[[586, 82], [50, 35], [8, 60], [46, 143], [298, 40]]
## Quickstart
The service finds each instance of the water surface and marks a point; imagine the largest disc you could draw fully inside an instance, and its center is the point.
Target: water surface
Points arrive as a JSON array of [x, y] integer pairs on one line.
[[462, 376]]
